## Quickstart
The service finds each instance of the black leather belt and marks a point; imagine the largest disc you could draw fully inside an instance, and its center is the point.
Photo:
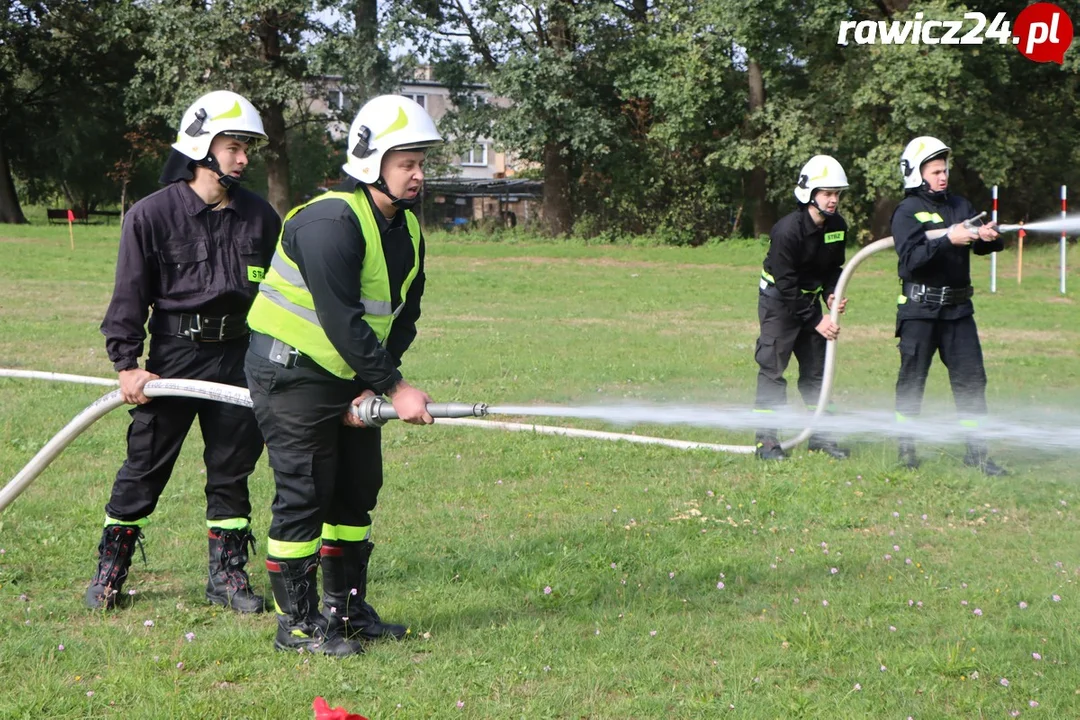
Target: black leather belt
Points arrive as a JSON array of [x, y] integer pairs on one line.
[[282, 354], [937, 295], [199, 328]]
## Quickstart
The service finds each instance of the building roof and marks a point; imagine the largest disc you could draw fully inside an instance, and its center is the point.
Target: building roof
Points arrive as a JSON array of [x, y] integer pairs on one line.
[[485, 187]]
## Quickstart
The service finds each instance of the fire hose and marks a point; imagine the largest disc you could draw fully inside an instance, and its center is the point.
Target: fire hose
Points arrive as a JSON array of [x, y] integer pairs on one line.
[[375, 411]]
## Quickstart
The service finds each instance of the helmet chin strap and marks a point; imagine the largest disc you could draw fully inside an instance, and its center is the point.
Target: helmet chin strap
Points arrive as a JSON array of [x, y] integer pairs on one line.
[[401, 203], [934, 194], [227, 181], [822, 210]]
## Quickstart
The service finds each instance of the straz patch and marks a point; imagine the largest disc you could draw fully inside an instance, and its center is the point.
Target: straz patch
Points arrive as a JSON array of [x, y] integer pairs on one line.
[[256, 273], [925, 217], [832, 237]]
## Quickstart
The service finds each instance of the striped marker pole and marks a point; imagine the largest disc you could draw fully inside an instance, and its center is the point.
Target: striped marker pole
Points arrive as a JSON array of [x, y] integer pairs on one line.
[[1063, 216], [993, 256], [1020, 255]]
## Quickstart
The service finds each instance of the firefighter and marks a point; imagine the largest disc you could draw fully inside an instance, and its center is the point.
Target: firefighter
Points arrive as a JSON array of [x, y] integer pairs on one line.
[[334, 316], [934, 312], [194, 252], [806, 254]]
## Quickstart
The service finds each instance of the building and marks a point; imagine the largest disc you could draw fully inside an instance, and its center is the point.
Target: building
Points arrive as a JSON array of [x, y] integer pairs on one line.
[[481, 187]]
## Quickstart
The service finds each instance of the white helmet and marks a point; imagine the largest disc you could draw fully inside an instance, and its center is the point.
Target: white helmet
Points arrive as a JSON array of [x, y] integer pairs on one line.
[[214, 113], [820, 171], [386, 122], [916, 154]]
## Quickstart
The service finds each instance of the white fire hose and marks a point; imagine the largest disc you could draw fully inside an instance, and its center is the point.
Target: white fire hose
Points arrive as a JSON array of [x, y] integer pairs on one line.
[[376, 411]]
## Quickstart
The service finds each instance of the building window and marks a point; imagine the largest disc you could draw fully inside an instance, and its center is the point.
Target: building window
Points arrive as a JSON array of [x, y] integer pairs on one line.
[[335, 99], [476, 156], [420, 100]]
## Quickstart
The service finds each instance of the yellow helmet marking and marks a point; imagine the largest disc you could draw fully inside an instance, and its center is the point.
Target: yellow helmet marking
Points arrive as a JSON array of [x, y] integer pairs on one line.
[[233, 112], [399, 123]]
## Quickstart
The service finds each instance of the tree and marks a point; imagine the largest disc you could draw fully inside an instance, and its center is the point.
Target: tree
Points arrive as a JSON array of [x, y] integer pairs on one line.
[[254, 47], [547, 58]]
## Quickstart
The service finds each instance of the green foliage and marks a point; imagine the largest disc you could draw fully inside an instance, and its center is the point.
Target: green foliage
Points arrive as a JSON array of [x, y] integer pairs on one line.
[[636, 112]]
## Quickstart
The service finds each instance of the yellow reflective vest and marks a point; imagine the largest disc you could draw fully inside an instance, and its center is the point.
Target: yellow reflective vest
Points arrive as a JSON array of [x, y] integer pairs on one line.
[[284, 308]]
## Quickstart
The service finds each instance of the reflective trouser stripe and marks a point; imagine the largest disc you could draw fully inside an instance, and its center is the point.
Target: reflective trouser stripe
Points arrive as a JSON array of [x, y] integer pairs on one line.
[[141, 522], [902, 418], [346, 533], [291, 550], [228, 524], [969, 423]]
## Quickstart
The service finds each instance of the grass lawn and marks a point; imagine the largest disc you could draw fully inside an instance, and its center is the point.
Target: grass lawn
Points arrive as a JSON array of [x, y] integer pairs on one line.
[[546, 577]]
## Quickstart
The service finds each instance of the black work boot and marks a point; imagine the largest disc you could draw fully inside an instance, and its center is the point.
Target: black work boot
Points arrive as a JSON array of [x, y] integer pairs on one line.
[[978, 456], [345, 606], [907, 456], [296, 599], [768, 447], [825, 444], [115, 551], [228, 584]]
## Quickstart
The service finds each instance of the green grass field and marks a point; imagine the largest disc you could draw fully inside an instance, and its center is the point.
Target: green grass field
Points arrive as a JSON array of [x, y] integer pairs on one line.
[[682, 584]]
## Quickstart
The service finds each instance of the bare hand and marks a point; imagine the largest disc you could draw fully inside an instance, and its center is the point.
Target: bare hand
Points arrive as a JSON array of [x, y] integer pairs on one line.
[[831, 299], [987, 232], [131, 385], [410, 404], [827, 328], [960, 235], [352, 419]]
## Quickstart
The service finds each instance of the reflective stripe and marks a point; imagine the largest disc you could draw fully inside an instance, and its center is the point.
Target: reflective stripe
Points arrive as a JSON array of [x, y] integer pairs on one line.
[[925, 217], [291, 550], [230, 524], [763, 411], [767, 280], [901, 418], [901, 299], [290, 274], [273, 295], [378, 307], [969, 423], [141, 522], [346, 533]]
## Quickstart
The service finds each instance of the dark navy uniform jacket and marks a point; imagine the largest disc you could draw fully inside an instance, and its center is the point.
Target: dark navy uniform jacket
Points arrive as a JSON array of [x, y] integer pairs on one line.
[[934, 263], [178, 255]]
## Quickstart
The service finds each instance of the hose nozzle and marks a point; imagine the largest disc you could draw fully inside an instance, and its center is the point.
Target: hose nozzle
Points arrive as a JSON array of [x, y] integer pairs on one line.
[[376, 411]]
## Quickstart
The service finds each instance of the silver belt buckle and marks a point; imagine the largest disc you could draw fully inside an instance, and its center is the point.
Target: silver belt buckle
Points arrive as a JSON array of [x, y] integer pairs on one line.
[[284, 355]]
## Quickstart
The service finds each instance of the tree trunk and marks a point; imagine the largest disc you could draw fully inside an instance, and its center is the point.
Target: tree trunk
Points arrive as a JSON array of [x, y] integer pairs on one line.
[[558, 207], [277, 159], [758, 187], [273, 116], [10, 210], [375, 66], [558, 210], [881, 216]]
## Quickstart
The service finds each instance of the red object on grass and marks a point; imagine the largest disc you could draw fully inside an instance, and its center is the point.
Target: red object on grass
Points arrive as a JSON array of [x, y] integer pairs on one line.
[[325, 712], [71, 215]]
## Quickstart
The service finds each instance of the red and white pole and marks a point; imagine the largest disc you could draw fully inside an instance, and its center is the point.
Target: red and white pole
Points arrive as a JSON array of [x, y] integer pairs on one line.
[[1063, 246], [993, 256]]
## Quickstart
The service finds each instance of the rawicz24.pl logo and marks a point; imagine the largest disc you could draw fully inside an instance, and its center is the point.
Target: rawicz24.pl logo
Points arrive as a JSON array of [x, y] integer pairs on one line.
[[1042, 32]]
